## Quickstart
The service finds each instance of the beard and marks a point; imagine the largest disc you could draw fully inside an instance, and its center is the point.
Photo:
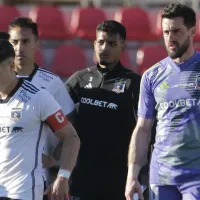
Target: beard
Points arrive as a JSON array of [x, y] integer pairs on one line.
[[180, 49]]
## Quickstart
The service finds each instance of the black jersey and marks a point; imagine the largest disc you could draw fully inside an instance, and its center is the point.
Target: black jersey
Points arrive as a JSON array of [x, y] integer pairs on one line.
[[106, 115]]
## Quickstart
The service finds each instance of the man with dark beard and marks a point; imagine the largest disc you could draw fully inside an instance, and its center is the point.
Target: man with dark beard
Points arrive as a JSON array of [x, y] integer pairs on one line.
[[170, 92]]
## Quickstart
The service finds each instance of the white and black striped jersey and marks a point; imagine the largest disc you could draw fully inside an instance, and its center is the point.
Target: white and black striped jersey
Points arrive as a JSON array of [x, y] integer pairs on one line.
[[45, 79], [22, 137]]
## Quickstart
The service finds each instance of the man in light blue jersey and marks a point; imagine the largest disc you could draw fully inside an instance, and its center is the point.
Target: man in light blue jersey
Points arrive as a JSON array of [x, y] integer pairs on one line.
[[170, 92]]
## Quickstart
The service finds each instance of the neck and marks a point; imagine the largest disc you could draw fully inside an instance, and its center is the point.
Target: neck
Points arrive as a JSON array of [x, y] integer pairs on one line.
[[25, 70], [187, 55], [109, 66], [7, 88]]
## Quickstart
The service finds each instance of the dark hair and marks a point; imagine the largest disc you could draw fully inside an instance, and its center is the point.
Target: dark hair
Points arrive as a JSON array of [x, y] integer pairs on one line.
[[4, 35], [180, 10], [112, 27], [6, 50], [24, 22]]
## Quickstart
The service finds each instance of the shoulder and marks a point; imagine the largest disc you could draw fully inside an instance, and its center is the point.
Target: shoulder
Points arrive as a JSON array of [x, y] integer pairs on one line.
[[29, 87], [135, 78], [79, 75], [50, 76], [154, 70]]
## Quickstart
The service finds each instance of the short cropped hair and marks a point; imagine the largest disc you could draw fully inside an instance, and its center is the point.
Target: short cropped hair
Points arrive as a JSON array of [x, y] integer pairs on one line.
[[6, 50], [112, 27], [180, 10], [24, 22]]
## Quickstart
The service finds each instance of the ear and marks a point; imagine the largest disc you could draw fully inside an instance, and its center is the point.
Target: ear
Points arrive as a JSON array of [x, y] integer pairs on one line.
[[38, 44], [11, 64], [123, 46], [95, 42], [193, 31]]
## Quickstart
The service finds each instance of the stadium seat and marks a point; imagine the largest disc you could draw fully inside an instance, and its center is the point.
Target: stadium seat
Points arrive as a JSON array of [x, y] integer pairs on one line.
[[197, 35], [67, 60], [39, 59], [137, 23], [147, 56], [84, 22], [51, 22], [8, 13]]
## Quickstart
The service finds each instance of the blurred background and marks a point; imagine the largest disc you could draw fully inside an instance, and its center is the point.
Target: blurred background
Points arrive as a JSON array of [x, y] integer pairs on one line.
[[67, 30]]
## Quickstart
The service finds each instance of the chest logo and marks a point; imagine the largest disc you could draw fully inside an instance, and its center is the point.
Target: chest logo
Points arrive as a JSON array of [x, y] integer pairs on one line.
[[89, 85], [16, 114], [119, 87]]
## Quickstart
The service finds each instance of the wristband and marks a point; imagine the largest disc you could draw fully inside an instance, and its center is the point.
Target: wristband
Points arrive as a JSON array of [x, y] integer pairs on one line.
[[64, 173]]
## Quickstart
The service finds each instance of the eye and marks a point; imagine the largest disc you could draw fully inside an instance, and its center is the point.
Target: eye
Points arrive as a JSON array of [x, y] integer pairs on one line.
[[113, 44], [166, 32], [25, 41], [14, 42], [100, 42]]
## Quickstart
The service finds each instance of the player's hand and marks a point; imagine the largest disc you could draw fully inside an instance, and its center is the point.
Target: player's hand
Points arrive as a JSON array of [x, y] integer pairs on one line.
[[133, 186], [59, 190]]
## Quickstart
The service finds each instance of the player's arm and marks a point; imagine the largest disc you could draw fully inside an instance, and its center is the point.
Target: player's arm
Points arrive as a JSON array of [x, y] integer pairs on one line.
[[141, 136], [49, 111], [136, 89], [64, 130], [138, 148]]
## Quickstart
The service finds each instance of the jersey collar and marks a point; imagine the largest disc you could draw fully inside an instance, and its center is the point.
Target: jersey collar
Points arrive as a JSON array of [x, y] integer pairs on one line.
[[106, 71], [30, 77], [20, 81]]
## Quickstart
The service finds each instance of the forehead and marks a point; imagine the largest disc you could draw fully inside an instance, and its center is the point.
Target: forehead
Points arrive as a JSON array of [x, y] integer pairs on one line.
[[174, 23], [20, 33], [102, 35]]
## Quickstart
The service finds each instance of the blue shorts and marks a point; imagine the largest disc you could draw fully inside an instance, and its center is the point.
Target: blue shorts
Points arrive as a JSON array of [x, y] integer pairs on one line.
[[186, 191]]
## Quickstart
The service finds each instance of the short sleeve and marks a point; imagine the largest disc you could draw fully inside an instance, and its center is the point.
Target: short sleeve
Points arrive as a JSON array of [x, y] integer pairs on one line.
[[147, 103], [63, 98], [47, 105], [73, 87]]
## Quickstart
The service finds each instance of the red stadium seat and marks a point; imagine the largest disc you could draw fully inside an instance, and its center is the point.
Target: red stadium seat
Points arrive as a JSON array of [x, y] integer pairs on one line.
[[8, 13], [159, 31], [84, 22], [197, 35], [137, 23], [198, 49], [147, 56], [39, 59], [125, 60], [68, 59], [51, 22]]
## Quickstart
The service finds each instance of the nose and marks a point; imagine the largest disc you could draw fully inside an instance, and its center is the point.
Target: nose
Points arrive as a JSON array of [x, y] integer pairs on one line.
[[104, 47], [19, 47], [171, 36]]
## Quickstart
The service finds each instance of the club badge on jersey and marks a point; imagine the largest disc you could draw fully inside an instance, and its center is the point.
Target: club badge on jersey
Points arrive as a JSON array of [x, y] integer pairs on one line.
[[16, 114], [119, 87]]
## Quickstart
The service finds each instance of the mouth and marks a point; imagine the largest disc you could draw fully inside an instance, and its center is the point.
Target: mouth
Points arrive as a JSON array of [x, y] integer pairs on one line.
[[20, 56], [104, 56], [173, 45]]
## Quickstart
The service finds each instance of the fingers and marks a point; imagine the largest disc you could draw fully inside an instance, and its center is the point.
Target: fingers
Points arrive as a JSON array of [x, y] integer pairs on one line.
[[47, 191], [140, 195]]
